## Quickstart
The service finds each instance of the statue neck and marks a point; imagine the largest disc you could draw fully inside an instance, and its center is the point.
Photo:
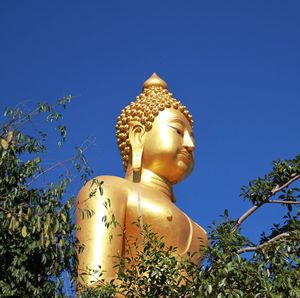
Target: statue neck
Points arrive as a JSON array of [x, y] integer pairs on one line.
[[150, 179]]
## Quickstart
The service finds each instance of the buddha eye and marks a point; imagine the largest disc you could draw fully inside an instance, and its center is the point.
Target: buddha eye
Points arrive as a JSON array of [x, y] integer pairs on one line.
[[179, 131]]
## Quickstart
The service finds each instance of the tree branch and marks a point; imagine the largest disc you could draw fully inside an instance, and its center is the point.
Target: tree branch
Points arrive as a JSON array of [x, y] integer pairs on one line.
[[258, 247], [60, 163], [294, 177], [242, 218], [283, 202], [11, 212], [4, 210], [246, 215]]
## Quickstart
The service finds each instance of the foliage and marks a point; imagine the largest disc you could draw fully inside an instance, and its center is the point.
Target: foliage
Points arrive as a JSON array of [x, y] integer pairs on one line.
[[37, 242], [38, 245], [270, 269], [154, 271]]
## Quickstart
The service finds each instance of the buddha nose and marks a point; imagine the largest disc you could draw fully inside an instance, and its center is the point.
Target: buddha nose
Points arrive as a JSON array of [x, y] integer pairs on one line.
[[188, 142]]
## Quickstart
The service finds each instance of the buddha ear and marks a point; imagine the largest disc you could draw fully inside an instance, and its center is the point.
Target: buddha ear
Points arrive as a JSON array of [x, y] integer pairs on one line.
[[136, 138]]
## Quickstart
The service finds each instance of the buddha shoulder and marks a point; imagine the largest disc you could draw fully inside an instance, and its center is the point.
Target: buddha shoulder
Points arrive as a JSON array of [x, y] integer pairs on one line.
[[105, 188]]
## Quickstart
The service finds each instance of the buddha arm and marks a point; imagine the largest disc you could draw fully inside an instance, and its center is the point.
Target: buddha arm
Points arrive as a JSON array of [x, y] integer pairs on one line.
[[101, 244]]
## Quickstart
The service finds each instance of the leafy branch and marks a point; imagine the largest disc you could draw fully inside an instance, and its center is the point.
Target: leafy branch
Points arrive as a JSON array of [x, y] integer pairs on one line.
[[263, 245], [283, 202], [261, 191], [37, 240]]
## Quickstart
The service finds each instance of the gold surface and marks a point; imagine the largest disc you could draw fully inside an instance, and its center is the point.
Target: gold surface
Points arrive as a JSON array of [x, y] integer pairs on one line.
[[153, 99], [157, 158], [155, 81]]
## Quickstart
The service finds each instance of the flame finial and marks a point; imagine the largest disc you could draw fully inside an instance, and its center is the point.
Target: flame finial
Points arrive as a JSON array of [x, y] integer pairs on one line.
[[155, 81]]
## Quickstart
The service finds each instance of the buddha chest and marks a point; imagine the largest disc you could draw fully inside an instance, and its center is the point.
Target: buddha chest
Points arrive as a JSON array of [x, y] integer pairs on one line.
[[155, 209]]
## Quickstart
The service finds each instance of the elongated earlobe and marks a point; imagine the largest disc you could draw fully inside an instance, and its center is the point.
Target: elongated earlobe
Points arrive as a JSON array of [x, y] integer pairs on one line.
[[137, 158], [137, 164], [136, 138]]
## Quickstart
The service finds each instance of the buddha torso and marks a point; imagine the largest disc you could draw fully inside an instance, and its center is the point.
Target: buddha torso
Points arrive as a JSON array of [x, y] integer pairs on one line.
[[129, 202], [155, 208]]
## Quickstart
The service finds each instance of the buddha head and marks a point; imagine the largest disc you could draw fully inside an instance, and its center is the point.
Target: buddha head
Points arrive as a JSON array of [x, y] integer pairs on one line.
[[155, 133]]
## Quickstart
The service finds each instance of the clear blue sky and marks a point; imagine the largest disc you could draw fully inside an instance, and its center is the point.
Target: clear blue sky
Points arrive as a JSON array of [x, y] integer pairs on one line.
[[235, 64]]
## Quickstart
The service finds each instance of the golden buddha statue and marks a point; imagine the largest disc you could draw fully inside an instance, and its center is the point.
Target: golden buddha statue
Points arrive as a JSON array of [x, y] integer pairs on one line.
[[156, 142]]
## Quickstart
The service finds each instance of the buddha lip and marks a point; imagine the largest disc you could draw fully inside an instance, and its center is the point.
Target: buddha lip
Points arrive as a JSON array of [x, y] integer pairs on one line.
[[185, 154]]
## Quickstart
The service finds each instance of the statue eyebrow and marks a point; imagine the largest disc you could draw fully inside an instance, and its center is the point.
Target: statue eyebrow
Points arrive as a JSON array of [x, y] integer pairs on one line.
[[178, 120], [175, 119]]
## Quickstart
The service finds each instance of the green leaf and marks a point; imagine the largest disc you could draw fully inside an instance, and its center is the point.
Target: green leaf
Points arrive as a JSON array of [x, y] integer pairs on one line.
[[61, 242], [4, 144], [209, 289], [63, 217], [24, 231]]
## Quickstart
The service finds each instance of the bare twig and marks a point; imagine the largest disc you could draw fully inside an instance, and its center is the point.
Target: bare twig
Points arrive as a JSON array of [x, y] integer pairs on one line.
[[20, 121], [31, 114], [242, 218], [283, 202], [60, 163], [5, 210], [258, 247]]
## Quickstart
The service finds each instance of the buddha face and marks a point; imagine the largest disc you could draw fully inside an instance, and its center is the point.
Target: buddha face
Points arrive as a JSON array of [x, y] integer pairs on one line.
[[169, 145]]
